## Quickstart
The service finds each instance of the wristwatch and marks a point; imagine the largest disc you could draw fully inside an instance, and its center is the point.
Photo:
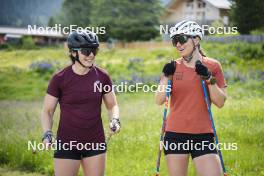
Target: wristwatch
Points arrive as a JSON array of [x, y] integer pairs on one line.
[[212, 80]]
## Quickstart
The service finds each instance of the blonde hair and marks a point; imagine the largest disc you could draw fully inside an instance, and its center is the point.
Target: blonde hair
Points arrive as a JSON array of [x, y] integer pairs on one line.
[[200, 50]]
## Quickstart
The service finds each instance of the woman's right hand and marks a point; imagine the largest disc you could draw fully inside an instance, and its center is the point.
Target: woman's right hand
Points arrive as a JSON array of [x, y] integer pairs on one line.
[[169, 69]]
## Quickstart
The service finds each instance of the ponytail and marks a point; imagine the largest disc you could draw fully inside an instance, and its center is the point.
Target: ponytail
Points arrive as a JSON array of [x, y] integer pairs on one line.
[[200, 50]]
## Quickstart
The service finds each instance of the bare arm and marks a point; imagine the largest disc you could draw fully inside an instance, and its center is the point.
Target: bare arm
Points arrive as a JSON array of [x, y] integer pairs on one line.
[[111, 105], [160, 95], [49, 107], [217, 95]]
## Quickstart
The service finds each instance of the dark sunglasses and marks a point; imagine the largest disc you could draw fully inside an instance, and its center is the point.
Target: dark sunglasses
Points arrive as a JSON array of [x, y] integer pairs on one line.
[[180, 38], [87, 51]]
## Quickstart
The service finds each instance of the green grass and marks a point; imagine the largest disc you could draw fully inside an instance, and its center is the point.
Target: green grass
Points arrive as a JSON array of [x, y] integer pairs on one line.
[[134, 150], [240, 61], [5, 171]]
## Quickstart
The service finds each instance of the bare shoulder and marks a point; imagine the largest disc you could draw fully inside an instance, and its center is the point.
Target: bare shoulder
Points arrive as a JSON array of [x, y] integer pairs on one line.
[[178, 60]]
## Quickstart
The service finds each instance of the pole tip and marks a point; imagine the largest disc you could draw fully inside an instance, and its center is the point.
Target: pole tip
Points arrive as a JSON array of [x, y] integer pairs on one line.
[[157, 174]]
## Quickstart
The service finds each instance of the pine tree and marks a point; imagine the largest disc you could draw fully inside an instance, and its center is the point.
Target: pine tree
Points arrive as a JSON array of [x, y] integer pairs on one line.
[[248, 15]]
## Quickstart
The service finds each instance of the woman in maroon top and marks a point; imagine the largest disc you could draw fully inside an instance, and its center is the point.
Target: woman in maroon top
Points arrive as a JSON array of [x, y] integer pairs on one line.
[[80, 136]]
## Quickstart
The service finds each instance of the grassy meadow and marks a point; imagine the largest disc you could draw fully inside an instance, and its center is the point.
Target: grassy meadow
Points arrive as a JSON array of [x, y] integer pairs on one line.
[[133, 151]]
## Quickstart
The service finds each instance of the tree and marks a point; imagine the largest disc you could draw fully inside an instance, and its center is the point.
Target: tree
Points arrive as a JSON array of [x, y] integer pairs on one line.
[[75, 13], [52, 21], [19, 13], [127, 20], [247, 15]]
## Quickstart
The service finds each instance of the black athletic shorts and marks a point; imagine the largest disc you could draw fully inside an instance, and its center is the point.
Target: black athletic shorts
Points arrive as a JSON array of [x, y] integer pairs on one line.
[[78, 154], [194, 144]]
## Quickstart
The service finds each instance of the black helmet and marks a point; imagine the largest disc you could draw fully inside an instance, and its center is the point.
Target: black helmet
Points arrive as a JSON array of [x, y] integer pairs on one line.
[[83, 39]]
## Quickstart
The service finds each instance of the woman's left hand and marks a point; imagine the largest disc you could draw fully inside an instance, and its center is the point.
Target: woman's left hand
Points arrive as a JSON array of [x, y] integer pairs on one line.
[[202, 70], [115, 125]]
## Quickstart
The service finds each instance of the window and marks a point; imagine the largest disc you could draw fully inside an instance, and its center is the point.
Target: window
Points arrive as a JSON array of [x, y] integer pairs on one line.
[[201, 4], [189, 4]]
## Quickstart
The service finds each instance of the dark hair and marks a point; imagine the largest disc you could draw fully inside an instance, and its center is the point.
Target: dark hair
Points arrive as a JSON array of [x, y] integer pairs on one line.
[[71, 56]]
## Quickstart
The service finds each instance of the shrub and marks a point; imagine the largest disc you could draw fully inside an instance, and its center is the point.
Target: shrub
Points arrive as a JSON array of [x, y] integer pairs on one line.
[[251, 51], [28, 43], [42, 67], [5, 46]]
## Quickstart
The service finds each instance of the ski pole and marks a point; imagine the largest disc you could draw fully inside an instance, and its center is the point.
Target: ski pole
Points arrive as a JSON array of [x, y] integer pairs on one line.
[[213, 126], [163, 126]]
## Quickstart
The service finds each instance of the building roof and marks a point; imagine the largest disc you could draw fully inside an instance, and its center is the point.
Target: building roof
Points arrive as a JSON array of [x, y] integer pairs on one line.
[[25, 31], [221, 4]]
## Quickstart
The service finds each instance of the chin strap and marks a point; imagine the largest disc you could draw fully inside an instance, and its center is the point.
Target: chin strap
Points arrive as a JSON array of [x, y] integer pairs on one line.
[[189, 58], [78, 60]]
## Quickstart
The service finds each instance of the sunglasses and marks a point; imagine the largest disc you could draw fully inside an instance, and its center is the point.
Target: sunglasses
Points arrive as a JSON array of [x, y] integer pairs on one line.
[[87, 51], [180, 38]]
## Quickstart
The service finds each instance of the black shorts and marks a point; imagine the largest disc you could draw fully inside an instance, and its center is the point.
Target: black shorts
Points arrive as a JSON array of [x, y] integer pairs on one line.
[[194, 144], [78, 154]]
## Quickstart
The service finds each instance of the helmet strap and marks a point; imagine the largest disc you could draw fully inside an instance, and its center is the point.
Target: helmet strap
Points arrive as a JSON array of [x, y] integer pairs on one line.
[[78, 60], [189, 58]]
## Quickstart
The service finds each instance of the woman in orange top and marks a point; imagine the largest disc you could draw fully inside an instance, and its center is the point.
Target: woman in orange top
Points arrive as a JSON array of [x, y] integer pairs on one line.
[[188, 128]]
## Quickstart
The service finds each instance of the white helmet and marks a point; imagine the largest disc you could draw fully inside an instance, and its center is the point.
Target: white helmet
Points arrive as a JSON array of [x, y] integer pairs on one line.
[[187, 27]]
